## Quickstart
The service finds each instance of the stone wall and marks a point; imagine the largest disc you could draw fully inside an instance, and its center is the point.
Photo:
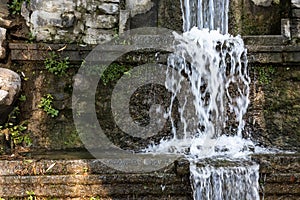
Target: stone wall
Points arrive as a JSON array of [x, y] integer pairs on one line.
[[105, 16], [257, 17], [79, 21]]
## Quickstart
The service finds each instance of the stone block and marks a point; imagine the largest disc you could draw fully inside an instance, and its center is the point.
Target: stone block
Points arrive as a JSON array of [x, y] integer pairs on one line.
[[5, 23], [4, 8], [44, 33], [68, 19], [124, 22], [296, 13], [96, 36], [53, 6], [40, 18], [109, 8], [101, 21], [139, 6], [295, 28], [295, 3], [285, 28]]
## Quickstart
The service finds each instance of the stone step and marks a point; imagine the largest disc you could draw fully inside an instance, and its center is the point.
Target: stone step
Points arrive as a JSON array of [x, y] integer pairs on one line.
[[51, 176], [261, 49], [265, 40], [103, 186]]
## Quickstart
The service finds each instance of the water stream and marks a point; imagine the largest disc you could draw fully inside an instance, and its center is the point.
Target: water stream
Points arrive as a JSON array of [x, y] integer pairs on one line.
[[211, 81]]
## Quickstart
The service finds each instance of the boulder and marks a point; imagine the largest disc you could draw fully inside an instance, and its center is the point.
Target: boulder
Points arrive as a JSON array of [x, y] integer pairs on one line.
[[10, 86], [2, 39]]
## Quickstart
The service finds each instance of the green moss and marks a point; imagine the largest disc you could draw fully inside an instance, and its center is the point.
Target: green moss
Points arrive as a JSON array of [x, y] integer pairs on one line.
[[15, 6], [113, 73], [264, 74]]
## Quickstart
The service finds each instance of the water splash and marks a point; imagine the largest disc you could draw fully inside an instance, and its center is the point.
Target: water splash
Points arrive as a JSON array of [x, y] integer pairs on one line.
[[212, 77]]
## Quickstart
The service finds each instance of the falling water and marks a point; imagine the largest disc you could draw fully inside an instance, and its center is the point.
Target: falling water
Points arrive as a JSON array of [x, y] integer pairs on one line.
[[211, 14], [211, 81], [225, 183]]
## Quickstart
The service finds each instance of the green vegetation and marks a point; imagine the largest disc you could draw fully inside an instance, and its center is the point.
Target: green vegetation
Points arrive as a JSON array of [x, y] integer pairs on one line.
[[94, 198], [55, 65], [22, 98], [31, 38], [16, 132], [16, 5], [265, 74], [113, 72], [31, 195], [46, 105]]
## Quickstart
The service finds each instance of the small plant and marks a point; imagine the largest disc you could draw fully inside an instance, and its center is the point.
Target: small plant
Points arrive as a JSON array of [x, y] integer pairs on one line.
[[94, 198], [31, 38], [46, 105], [264, 74], [113, 72], [16, 131], [22, 98], [56, 66], [16, 5], [31, 195]]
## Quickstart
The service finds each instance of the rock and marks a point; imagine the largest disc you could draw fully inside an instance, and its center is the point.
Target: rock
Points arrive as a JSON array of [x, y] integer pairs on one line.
[[10, 86], [5, 23], [109, 8], [265, 3], [96, 36], [3, 96], [2, 39], [68, 19], [124, 22], [40, 18], [139, 6], [101, 21], [295, 3], [4, 13]]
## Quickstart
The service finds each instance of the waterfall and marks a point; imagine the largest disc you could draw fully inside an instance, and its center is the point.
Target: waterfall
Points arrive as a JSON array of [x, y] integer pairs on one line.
[[211, 83], [211, 14], [225, 183]]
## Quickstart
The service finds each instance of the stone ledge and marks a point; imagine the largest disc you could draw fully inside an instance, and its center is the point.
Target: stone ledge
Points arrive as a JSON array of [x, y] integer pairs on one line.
[[76, 179], [261, 49]]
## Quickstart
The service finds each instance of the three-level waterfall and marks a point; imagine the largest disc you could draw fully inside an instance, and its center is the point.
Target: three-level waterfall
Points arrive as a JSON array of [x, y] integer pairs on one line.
[[212, 81]]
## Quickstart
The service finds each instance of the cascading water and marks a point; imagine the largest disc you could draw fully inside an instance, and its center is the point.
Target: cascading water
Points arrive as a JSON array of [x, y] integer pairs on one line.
[[211, 14], [213, 67], [226, 183]]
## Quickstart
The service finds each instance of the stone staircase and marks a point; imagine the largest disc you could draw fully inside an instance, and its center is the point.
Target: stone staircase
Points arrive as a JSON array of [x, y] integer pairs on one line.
[[52, 177]]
